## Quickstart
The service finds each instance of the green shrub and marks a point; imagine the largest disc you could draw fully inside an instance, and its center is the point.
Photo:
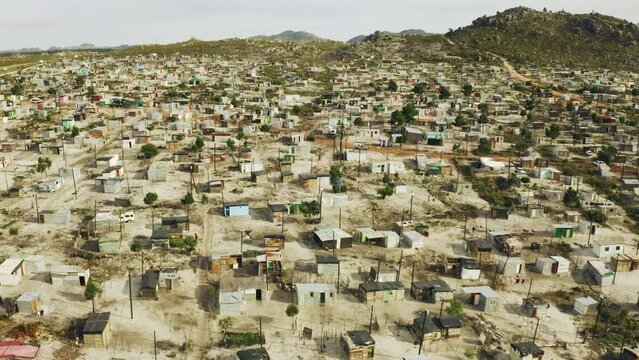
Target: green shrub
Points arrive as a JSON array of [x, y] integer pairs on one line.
[[233, 339]]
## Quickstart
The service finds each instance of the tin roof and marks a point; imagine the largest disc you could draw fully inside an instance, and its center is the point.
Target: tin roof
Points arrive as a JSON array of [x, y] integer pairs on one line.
[[96, 323]]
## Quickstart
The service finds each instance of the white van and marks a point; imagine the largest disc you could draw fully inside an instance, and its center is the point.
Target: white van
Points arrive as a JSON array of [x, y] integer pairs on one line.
[[127, 217]]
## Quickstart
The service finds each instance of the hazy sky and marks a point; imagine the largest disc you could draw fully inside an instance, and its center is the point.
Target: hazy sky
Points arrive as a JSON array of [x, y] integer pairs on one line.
[[45, 23]]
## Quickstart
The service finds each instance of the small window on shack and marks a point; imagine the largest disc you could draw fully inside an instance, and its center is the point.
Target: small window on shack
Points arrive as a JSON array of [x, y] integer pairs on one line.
[[311, 294]]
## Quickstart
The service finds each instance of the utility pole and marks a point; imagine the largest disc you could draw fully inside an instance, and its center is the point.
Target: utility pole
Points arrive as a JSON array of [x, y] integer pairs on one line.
[[75, 189], [623, 340], [359, 162], [338, 275], [121, 225], [486, 218], [130, 295], [590, 227], [215, 157], [261, 341], [6, 180], [155, 347], [529, 288], [412, 275], [188, 217], [421, 340], [465, 226], [340, 218], [320, 205], [370, 322], [536, 327], [594, 330], [399, 271], [614, 277], [37, 208], [412, 195], [95, 218]]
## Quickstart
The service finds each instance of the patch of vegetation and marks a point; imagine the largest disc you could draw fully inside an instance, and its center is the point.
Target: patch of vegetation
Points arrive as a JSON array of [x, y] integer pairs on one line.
[[385, 192], [455, 308], [597, 216], [188, 243], [494, 190], [149, 151], [237, 339], [136, 245], [150, 198]]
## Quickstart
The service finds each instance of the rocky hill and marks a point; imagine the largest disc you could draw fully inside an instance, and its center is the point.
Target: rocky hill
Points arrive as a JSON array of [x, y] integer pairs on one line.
[[360, 38], [289, 35], [529, 36]]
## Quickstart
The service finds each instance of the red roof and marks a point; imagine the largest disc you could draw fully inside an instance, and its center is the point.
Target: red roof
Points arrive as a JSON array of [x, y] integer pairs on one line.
[[17, 349]]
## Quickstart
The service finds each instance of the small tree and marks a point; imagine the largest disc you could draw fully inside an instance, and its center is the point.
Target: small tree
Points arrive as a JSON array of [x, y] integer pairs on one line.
[[335, 173], [467, 89], [553, 132], [571, 198], [44, 163], [190, 242], [484, 147], [409, 112], [150, 198], [392, 86], [226, 323], [444, 93], [266, 128], [188, 199], [607, 154], [358, 121], [136, 245], [597, 216], [455, 308], [240, 135], [75, 131], [149, 151], [310, 208], [91, 291], [291, 311], [230, 144], [419, 88], [198, 145], [385, 191], [397, 118]]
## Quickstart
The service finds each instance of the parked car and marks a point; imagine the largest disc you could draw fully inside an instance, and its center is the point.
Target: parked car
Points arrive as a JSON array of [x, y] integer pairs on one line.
[[127, 217]]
